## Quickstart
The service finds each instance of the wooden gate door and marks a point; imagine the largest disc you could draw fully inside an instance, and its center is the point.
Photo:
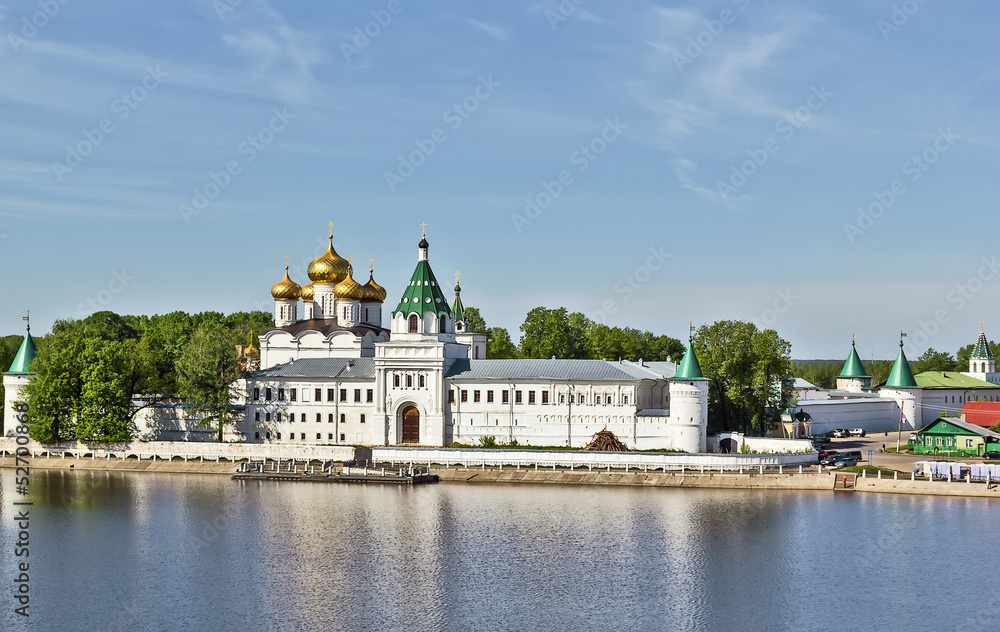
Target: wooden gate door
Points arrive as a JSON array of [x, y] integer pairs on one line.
[[411, 425]]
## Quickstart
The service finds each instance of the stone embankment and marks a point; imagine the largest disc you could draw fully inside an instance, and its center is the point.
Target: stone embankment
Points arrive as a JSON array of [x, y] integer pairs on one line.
[[130, 465]]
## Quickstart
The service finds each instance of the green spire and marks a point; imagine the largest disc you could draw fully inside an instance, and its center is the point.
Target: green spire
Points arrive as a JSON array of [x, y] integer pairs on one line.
[[689, 368], [22, 361], [901, 376], [457, 309], [982, 350], [853, 366], [423, 295]]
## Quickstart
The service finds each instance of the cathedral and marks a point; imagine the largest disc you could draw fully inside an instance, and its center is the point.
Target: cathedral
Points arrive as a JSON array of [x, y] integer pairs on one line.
[[333, 374]]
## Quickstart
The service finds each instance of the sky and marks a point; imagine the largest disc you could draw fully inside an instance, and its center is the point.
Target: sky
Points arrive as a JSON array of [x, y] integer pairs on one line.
[[823, 169]]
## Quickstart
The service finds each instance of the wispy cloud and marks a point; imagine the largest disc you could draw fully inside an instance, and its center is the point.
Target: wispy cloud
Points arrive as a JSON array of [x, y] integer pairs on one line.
[[493, 30]]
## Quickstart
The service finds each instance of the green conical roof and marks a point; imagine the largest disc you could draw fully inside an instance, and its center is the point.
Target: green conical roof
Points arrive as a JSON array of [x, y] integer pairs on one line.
[[457, 309], [982, 350], [853, 367], [901, 376], [423, 294], [22, 361], [689, 368]]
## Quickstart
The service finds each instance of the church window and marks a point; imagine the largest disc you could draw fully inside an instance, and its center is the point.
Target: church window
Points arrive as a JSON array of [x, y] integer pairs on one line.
[[342, 436], [302, 436], [357, 395], [409, 381], [607, 399], [292, 395], [562, 398], [545, 397], [343, 394], [531, 397], [329, 419], [451, 396], [343, 418], [279, 436], [370, 395], [330, 436], [318, 436], [442, 327], [476, 353], [465, 395], [267, 416], [281, 394], [625, 399], [395, 381], [256, 416], [413, 323], [268, 435], [267, 394], [489, 397], [256, 393], [505, 396], [318, 394], [362, 419], [421, 380], [291, 417], [319, 418], [475, 396], [277, 417], [517, 397], [331, 394]]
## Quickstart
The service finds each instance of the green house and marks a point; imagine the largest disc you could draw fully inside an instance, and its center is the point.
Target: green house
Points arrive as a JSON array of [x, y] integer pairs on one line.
[[950, 436]]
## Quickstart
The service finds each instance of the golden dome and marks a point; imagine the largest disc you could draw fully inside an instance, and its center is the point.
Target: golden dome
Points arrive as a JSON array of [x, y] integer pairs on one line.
[[349, 289], [374, 291], [329, 267], [307, 292], [286, 289]]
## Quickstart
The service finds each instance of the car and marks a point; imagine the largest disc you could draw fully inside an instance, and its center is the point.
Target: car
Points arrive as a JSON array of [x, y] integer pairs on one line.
[[839, 433], [850, 454], [992, 455], [828, 459], [857, 432], [845, 463], [819, 440]]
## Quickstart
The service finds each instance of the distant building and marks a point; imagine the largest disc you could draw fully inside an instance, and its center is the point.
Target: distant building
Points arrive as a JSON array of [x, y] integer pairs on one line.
[[985, 414], [15, 379], [951, 436], [982, 366]]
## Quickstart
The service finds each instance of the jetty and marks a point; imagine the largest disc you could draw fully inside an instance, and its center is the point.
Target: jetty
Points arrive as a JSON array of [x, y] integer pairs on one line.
[[366, 472]]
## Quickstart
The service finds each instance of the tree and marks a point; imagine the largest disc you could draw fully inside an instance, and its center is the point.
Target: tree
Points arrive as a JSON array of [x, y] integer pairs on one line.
[[499, 345], [931, 360], [749, 374], [103, 410], [553, 333], [822, 374], [475, 320], [206, 371]]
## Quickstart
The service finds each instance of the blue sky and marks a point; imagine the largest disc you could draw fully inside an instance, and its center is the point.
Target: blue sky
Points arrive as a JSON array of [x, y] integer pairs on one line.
[[684, 161]]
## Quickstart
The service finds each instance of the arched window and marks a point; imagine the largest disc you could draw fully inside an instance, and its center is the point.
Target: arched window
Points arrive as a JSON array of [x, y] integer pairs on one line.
[[342, 418], [441, 328], [413, 323], [395, 380], [409, 381], [421, 381], [477, 352]]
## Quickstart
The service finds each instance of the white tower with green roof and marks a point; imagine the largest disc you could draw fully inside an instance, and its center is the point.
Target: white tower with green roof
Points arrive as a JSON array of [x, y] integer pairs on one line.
[[16, 378], [982, 365], [902, 387], [853, 377], [689, 405]]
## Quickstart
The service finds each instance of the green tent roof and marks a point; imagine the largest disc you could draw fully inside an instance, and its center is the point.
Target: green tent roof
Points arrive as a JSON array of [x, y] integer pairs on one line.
[[853, 367], [689, 368], [457, 309], [901, 376], [22, 361], [423, 295], [982, 350]]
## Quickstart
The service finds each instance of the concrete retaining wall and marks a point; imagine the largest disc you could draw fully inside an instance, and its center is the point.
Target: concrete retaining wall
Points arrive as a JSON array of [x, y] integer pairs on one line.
[[637, 479], [168, 449]]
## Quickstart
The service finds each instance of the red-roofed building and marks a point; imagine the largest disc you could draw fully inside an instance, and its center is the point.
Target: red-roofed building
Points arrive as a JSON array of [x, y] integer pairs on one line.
[[985, 414]]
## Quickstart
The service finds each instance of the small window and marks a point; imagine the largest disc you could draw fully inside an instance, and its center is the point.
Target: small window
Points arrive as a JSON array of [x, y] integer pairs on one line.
[[329, 419], [302, 436], [531, 397], [343, 394], [292, 395], [395, 381], [545, 397], [319, 418], [489, 397], [267, 416], [517, 397], [329, 436], [256, 393], [331, 394], [256, 416], [291, 417], [442, 328], [342, 436], [625, 399], [279, 436], [256, 435], [269, 435], [362, 419], [343, 418], [421, 381], [505, 397], [281, 394], [413, 330], [318, 395], [409, 381], [465, 395], [607, 399], [475, 396], [267, 394], [370, 396], [318, 436], [562, 398], [451, 396], [357, 395], [277, 417]]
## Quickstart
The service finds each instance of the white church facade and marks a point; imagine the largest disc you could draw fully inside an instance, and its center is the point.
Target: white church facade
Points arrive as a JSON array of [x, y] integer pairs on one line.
[[336, 376]]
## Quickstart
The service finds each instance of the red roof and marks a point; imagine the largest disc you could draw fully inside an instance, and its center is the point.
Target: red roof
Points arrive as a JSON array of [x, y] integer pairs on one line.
[[985, 414]]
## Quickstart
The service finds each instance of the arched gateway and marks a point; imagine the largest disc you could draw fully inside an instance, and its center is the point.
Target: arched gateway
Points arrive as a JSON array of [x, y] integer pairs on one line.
[[411, 425]]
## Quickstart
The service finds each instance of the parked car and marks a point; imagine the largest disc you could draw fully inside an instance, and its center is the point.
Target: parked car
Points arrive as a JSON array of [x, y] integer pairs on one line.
[[992, 455], [839, 433], [857, 432], [819, 440], [845, 463], [826, 453], [829, 459]]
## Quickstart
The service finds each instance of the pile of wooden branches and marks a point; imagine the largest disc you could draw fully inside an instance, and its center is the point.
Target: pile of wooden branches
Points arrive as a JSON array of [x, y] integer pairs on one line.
[[606, 441]]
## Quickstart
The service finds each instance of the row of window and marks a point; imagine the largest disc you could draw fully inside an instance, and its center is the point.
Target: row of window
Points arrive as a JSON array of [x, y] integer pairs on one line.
[[303, 418], [421, 381], [331, 395], [574, 398], [302, 436]]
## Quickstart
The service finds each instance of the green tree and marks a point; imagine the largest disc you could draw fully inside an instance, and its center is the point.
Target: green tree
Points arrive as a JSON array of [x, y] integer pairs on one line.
[[553, 333], [932, 360], [475, 320], [103, 409], [58, 382], [206, 371], [499, 345], [880, 370], [749, 373]]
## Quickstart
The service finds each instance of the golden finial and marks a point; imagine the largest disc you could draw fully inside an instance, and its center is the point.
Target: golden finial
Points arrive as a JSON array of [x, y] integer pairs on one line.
[[331, 230], [27, 318], [423, 234], [287, 257], [458, 277], [371, 265]]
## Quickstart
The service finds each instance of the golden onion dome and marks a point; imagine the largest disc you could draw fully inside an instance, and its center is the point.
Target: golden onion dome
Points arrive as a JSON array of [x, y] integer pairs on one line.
[[349, 289], [307, 292], [286, 289], [329, 267], [373, 290]]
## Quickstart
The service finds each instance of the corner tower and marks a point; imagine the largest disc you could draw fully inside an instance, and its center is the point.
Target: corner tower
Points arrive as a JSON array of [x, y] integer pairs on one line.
[[902, 387], [689, 404], [853, 378], [16, 378]]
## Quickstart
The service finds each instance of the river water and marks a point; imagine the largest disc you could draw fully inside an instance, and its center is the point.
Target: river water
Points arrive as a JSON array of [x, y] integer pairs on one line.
[[120, 551]]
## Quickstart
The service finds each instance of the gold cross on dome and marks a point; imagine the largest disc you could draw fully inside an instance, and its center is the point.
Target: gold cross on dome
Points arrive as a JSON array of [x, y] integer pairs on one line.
[[27, 317], [423, 226], [287, 257], [371, 264], [458, 276], [331, 230], [349, 258]]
